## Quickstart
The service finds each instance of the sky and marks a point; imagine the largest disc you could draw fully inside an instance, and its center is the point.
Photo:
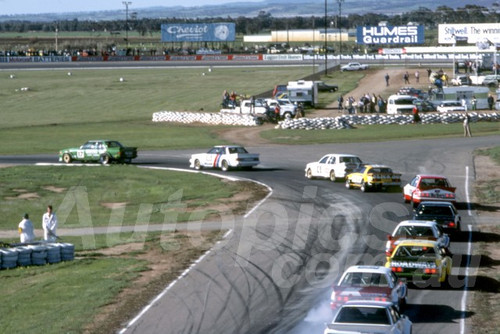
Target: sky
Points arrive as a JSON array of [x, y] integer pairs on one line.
[[9, 7]]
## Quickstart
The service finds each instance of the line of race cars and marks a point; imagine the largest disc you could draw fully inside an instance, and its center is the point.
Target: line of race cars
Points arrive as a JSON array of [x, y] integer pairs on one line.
[[366, 298], [370, 298]]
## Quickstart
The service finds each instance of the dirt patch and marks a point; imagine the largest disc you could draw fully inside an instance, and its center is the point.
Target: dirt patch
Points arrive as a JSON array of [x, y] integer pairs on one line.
[[55, 189], [164, 265], [114, 205]]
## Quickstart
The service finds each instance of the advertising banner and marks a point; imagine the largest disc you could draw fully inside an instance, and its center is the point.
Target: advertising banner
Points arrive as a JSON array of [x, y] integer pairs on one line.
[[199, 32], [390, 35], [471, 32]]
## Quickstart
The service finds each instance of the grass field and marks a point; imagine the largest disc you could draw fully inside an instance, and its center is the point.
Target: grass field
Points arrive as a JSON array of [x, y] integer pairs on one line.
[[60, 109]]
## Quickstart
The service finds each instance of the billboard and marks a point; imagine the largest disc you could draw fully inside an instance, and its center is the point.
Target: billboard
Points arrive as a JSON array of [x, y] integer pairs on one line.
[[390, 35], [198, 32], [470, 32]]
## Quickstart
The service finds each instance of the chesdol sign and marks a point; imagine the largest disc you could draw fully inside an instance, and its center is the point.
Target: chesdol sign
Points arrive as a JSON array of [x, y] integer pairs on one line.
[[390, 35]]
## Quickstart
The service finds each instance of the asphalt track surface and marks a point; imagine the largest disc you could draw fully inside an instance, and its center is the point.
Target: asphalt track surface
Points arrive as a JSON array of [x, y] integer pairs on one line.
[[273, 271]]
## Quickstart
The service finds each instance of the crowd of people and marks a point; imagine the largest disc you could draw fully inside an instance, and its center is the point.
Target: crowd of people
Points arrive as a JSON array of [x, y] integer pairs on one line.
[[365, 104], [49, 224]]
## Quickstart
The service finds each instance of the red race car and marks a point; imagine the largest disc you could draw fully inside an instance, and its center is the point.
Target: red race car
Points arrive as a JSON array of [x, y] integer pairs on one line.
[[428, 188]]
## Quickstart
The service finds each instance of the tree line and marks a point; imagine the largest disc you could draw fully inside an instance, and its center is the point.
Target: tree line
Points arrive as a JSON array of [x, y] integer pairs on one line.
[[264, 21]]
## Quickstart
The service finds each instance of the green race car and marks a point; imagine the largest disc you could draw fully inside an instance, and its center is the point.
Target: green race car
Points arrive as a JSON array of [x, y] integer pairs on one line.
[[103, 151]]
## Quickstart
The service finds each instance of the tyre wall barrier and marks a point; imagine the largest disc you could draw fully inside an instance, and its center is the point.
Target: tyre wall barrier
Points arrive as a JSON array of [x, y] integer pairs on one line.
[[348, 121], [206, 118], [38, 255]]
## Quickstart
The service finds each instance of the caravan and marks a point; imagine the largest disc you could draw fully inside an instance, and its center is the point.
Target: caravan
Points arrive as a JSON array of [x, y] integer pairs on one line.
[[303, 92], [462, 92]]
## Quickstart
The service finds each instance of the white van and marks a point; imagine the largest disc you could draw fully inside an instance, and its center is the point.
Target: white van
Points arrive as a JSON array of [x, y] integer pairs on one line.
[[400, 104]]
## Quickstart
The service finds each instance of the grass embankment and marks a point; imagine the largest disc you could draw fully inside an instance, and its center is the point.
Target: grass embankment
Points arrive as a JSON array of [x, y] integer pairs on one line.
[[485, 300], [117, 195], [91, 294]]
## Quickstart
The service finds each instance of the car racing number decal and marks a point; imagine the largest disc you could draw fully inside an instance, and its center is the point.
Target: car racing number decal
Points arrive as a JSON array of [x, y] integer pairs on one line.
[[80, 154]]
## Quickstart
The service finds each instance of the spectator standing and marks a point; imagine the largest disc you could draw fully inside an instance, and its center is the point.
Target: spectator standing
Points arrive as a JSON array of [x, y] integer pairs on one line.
[[416, 117], [467, 132], [474, 102], [49, 224], [341, 102], [491, 100], [26, 230], [429, 72], [381, 104], [387, 79], [406, 78], [417, 76]]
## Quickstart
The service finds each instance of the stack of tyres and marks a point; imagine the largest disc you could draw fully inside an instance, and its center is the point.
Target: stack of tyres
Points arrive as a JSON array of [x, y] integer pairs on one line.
[[67, 251], [53, 253], [24, 256], [9, 258], [38, 255]]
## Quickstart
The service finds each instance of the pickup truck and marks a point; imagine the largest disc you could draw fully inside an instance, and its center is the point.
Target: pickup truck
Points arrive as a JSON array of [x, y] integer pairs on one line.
[[370, 177], [368, 317], [103, 151], [287, 108], [245, 107], [224, 157]]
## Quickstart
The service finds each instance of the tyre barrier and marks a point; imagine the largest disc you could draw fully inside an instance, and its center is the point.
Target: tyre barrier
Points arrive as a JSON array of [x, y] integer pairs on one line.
[[348, 121], [206, 118], [38, 255]]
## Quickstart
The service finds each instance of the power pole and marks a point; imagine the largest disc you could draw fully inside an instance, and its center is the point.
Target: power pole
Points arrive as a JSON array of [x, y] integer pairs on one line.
[[339, 25], [126, 3], [326, 37]]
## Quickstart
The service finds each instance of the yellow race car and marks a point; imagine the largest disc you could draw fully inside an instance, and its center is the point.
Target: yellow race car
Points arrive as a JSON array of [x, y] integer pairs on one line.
[[420, 261], [373, 177]]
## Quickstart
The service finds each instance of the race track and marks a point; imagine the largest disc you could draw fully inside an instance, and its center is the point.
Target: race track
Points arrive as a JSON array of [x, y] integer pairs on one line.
[[273, 272]]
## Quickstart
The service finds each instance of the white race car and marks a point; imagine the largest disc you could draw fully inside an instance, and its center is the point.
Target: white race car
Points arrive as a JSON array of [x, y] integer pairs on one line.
[[333, 166], [224, 157], [416, 229]]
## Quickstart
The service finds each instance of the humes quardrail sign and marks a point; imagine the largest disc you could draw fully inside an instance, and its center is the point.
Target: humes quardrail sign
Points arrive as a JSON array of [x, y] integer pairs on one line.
[[201, 32], [390, 35]]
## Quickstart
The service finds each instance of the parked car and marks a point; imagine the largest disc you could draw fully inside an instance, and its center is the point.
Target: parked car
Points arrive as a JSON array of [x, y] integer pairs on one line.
[[416, 229], [461, 80], [369, 177], [369, 283], [323, 87], [224, 157], [443, 213], [424, 105], [424, 187], [333, 166], [368, 317], [491, 80], [420, 261], [354, 66], [450, 106], [103, 151]]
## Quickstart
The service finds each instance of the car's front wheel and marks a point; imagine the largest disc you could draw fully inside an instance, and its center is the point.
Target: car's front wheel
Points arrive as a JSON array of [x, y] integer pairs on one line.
[[309, 174], [364, 187], [67, 158], [105, 159], [197, 164], [348, 184], [224, 166]]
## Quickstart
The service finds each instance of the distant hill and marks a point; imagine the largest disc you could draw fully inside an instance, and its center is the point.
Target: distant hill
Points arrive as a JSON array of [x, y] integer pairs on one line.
[[277, 8]]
